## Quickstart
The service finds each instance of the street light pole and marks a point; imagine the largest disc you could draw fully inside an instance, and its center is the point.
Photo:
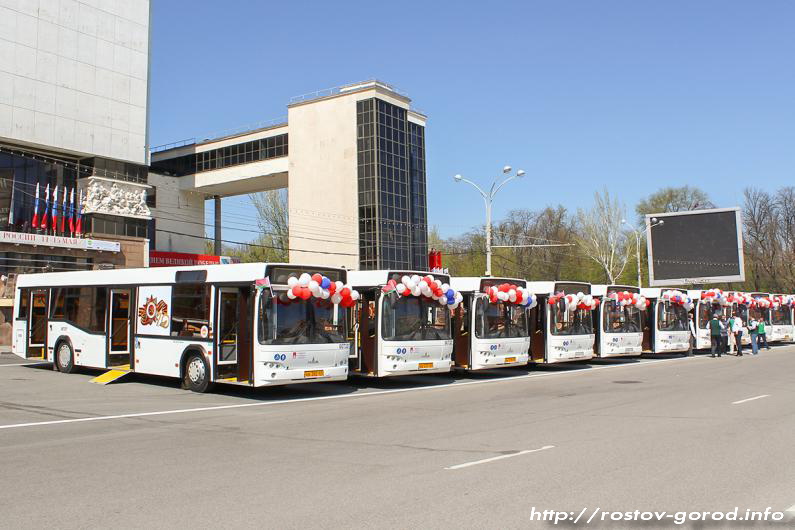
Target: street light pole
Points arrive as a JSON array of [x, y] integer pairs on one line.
[[654, 222], [487, 199]]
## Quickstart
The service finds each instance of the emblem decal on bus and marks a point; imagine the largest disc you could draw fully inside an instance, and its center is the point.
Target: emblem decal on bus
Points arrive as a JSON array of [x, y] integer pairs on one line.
[[154, 311]]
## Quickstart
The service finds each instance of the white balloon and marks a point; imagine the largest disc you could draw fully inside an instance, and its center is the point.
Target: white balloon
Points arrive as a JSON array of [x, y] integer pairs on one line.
[[304, 279], [423, 285], [336, 299], [416, 291], [324, 294], [292, 281], [290, 294], [401, 288], [355, 295], [313, 284], [405, 280], [339, 285], [415, 278]]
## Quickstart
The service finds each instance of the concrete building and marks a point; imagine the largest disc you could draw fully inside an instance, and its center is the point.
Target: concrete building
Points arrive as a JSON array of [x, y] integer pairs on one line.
[[353, 161], [73, 117]]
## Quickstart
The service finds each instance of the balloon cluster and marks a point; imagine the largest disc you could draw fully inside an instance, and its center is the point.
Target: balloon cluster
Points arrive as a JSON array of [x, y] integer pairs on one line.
[[715, 296], [305, 286], [678, 298], [762, 301], [787, 300], [630, 299], [738, 298], [426, 286], [574, 301], [514, 294]]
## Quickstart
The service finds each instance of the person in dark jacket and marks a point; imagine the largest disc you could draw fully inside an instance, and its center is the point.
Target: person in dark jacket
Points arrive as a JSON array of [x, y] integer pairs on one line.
[[714, 334]]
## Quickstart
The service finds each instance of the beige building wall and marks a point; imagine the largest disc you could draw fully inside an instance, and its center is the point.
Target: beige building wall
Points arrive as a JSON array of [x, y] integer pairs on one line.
[[177, 210], [323, 176], [323, 193]]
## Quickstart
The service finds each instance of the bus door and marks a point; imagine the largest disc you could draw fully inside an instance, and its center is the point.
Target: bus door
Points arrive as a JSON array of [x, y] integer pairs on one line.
[[233, 331], [367, 334], [119, 325], [649, 321], [37, 330], [538, 332], [463, 324]]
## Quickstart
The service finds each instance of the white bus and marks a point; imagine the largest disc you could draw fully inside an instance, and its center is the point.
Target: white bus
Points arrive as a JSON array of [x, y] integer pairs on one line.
[[561, 325], [760, 308], [398, 325], [617, 320], [490, 329], [202, 324], [781, 324], [666, 329]]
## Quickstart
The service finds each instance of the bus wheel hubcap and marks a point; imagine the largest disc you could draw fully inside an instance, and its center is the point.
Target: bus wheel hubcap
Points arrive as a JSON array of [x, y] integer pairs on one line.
[[63, 355], [196, 370]]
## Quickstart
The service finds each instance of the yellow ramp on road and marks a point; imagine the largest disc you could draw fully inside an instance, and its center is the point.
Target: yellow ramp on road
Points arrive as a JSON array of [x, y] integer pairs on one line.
[[110, 376]]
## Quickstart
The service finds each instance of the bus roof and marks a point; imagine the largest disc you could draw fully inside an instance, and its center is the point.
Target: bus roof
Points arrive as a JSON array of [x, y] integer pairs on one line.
[[601, 289], [473, 283], [380, 277], [233, 272], [655, 292], [546, 287]]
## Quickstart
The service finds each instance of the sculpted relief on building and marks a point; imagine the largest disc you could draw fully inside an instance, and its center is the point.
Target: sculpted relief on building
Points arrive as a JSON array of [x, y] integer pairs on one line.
[[115, 198]]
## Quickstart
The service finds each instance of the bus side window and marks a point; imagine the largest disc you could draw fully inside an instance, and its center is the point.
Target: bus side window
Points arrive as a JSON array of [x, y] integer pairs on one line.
[[371, 321], [24, 298], [57, 304], [190, 306]]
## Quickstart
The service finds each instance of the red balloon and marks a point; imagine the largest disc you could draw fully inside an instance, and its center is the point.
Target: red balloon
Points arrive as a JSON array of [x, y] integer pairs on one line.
[[317, 277], [305, 293], [519, 297], [332, 288], [345, 292], [297, 290]]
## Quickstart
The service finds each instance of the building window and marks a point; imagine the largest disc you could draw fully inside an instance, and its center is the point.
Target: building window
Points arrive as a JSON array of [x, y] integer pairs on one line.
[[233, 155], [151, 197], [190, 309], [112, 225]]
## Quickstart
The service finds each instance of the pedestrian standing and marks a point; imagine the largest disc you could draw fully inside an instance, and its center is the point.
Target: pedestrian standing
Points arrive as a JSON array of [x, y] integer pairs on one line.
[[761, 334], [724, 334], [737, 331], [691, 326], [753, 331], [714, 335]]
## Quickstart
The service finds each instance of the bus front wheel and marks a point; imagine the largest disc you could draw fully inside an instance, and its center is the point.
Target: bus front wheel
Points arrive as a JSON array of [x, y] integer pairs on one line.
[[196, 376], [64, 357]]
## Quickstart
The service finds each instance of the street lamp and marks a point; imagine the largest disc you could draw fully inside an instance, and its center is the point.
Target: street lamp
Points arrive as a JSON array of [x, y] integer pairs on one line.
[[487, 199], [654, 222]]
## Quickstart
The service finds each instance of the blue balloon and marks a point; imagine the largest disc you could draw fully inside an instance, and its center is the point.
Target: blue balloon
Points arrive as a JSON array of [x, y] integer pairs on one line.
[[450, 293], [325, 283]]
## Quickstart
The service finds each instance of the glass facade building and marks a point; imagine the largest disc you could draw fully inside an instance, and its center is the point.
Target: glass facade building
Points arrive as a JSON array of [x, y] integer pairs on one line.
[[393, 224]]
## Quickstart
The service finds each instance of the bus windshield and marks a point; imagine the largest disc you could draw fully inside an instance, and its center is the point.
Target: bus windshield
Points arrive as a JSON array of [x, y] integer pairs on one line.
[[671, 317], [414, 318], [759, 313], [313, 321], [781, 316], [578, 322], [706, 310], [619, 319], [500, 320]]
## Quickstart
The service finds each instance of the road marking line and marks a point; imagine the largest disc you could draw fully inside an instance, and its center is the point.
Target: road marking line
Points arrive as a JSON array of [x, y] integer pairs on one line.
[[750, 399], [337, 396], [501, 457], [24, 364]]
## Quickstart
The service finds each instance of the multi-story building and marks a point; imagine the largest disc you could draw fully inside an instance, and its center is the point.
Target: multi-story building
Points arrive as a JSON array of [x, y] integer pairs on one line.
[[73, 118], [353, 162]]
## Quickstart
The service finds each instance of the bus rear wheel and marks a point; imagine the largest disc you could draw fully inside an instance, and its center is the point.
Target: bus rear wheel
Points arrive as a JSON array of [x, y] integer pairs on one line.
[[196, 376], [64, 357]]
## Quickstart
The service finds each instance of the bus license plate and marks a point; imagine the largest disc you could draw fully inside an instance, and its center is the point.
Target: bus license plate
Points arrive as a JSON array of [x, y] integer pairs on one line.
[[313, 373], [426, 365], [510, 359]]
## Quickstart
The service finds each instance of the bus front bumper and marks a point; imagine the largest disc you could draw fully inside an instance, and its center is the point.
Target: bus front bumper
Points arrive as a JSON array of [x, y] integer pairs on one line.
[[269, 376]]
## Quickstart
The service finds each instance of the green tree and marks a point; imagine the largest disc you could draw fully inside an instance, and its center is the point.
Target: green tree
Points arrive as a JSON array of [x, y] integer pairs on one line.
[[670, 199]]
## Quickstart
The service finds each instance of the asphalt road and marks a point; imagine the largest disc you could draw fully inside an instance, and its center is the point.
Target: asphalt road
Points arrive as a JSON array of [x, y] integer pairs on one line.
[[428, 451]]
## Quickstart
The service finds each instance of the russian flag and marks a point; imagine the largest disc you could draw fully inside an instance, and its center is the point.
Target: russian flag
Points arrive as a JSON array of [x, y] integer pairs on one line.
[[63, 210], [54, 209], [45, 217], [79, 213], [35, 221], [72, 211]]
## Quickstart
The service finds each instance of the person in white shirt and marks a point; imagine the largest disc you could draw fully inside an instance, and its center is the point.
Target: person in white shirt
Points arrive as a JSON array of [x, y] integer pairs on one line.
[[737, 331], [691, 326]]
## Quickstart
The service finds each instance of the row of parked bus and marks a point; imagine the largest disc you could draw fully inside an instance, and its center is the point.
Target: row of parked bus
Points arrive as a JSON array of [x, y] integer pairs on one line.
[[259, 324]]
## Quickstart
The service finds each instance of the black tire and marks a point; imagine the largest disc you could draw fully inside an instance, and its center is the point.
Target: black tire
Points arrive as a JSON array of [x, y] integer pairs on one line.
[[64, 357], [196, 374]]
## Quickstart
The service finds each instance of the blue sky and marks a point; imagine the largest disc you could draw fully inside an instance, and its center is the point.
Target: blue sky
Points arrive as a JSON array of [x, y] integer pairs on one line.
[[629, 95]]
